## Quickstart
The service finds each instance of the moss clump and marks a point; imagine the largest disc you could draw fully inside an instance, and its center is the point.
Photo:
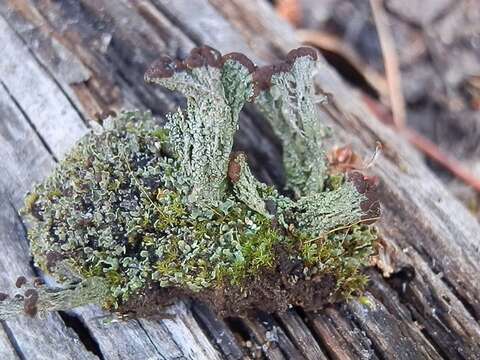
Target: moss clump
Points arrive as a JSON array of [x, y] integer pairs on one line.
[[224, 248], [342, 253], [112, 208], [152, 212]]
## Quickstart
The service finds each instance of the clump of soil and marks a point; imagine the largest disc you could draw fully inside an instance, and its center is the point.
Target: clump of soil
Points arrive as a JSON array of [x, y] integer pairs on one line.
[[272, 290]]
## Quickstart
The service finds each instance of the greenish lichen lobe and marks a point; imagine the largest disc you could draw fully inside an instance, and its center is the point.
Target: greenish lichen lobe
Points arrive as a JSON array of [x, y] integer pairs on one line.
[[290, 107], [140, 206]]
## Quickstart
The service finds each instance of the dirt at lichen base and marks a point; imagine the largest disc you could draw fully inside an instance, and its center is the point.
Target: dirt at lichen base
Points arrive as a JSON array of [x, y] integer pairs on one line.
[[137, 215]]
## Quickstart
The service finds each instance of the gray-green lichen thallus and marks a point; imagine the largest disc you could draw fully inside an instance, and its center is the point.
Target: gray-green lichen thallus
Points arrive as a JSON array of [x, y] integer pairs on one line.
[[138, 214]]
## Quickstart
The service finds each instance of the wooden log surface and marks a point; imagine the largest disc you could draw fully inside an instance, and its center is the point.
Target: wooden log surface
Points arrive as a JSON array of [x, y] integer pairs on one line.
[[63, 62]]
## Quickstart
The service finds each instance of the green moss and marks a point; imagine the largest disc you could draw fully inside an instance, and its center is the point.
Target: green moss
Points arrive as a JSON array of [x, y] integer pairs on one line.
[[256, 252], [30, 200], [112, 209], [342, 253], [335, 181], [227, 246]]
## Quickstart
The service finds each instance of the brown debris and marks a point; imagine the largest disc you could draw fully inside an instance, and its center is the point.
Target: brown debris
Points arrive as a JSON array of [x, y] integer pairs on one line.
[[391, 63], [342, 159], [21, 280], [471, 87], [234, 168], [383, 260], [37, 282], [329, 43], [429, 148], [367, 185]]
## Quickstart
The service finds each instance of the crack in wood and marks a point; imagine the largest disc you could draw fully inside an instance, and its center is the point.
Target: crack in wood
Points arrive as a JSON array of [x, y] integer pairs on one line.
[[150, 339], [13, 341], [433, 266], [29, 121], [377, 351], [88, 340], [177, 22], [47, 70], [217, 331], [302, 335]]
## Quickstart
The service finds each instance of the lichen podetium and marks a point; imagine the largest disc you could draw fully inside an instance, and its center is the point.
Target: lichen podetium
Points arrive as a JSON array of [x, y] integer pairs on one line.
[[138, 214]]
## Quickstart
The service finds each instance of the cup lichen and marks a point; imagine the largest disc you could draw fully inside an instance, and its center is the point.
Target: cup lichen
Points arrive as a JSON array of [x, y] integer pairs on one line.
[[141, 211]]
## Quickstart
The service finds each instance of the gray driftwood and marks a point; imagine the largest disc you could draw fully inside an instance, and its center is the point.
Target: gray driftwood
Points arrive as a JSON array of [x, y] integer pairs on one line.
[[63, 62]]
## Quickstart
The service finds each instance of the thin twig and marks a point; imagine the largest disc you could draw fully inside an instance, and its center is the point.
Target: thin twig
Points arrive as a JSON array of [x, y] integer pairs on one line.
[[390, 60], [435, 153], [427, 147], [392, 70], [343, 227]]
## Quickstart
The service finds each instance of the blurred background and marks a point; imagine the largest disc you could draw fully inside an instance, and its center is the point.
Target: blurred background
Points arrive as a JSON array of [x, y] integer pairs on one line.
[[420, 59]]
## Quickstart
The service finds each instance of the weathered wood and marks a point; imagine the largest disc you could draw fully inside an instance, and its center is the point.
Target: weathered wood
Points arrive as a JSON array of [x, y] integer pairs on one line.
[[259, 336], [7, 350], [276, 337], [127, 339], [390, 337], [30, 338], [340, 336], [220, 333], [302, 336], [19, 72], [66, 61]]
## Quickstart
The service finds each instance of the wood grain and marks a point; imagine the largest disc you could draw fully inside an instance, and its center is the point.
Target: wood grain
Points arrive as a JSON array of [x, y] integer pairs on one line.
[[63, 62]]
